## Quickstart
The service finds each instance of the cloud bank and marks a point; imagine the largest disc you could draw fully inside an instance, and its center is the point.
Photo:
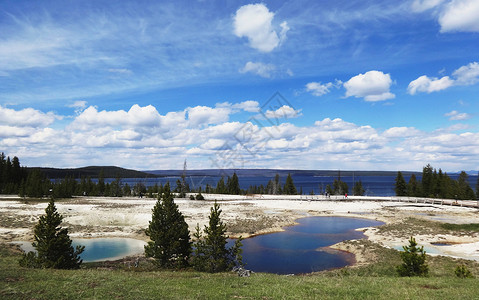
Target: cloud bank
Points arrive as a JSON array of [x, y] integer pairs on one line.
[[143, 138]]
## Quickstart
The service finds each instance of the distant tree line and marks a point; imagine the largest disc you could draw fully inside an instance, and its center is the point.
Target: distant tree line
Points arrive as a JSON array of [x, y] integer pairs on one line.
[[436, 184]]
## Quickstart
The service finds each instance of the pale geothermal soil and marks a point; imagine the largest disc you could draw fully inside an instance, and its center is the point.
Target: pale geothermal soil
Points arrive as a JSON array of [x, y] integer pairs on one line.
[[89, 217]]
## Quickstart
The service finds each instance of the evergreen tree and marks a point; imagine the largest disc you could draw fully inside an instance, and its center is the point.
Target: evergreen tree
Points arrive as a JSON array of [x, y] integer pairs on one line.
[[358, 189], [233, 185], [340, 187], [36, 184], [289, 187], [170, 242], [53, 245], [414, 260], [101, 183], [427, 181], [401, 186], [477, 186], [465, 190], [220, 186], [413, 187], [211, 254]]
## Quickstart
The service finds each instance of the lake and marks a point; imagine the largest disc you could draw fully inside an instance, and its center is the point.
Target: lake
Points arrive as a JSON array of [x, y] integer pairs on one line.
[[373, 185], [303, 248]]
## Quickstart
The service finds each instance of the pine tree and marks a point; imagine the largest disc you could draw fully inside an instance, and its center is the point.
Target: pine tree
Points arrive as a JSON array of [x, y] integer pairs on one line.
[[401, 186], [414, 260], [233, 185], [427, 181], [414, 187], [289, 187], [477, 187], [220, 186], [358, 189], [211, 254], [53, 245], [170, 239]]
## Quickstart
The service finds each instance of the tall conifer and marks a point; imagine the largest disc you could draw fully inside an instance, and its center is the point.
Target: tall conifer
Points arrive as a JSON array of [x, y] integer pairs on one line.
[[170, 239]]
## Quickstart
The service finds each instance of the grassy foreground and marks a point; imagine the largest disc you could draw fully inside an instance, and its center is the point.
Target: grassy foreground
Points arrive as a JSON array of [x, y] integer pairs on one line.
[[376, 281]]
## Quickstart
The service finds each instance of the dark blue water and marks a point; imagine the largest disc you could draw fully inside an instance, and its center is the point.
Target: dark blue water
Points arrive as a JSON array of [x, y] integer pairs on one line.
[[298, 248], [373, 185]]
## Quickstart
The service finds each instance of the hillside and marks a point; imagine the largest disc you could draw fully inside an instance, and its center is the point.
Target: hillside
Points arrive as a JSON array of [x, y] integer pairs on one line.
[[93, 171]]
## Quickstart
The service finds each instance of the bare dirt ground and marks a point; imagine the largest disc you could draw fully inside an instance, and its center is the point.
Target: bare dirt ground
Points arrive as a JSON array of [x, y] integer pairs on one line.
[[89, 217]]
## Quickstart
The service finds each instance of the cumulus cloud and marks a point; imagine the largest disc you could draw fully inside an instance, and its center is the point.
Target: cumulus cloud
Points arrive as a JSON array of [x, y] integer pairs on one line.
[[204, 115], [255, 22], [372, 86], [453, 15], [465, 75], [258, 68], [136, 116], [26, 117], [205, 135], [284, 112], [429, 85], [320, 89], [457, 116], [460, 15]]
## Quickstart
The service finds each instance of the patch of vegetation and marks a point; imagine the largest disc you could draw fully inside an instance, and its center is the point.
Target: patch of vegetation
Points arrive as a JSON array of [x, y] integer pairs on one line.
[[120, 280], [414, 260], [471, 227]]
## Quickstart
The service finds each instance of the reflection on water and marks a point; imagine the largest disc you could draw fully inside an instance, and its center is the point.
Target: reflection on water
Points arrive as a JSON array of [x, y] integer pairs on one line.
[[297, 249]]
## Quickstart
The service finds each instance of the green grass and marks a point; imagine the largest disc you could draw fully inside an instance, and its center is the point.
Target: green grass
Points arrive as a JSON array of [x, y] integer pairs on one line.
[[100, 281], [471, 227]]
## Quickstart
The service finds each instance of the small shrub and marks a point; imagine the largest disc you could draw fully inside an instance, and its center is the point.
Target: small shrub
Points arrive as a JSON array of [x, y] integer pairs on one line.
[[462, 271], [414, 260], [192, 197], [30, 260], [200, 197]]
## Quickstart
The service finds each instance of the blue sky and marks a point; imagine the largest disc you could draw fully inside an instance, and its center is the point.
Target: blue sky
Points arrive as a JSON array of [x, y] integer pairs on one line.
[[369, 85]]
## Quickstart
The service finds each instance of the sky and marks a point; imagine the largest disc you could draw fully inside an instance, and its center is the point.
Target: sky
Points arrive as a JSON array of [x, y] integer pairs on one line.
[[303, 84]]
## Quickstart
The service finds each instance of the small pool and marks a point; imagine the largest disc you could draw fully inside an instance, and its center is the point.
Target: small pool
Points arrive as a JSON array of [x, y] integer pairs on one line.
[[100, 249], [303, 248]]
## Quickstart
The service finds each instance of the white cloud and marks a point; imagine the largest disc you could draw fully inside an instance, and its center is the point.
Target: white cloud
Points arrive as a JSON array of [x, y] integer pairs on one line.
[[136, 116], [284, 112], [261, 69], [467, 75], [318, 89], [372, 86], [204, 115], [429, 85], [254, 21], [200, 133], [460, 15], [249, 106], [26, 117], [457, 116], [423, 5]]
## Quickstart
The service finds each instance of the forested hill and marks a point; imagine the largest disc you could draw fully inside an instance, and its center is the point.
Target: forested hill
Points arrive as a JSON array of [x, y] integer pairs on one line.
[[93, 171]]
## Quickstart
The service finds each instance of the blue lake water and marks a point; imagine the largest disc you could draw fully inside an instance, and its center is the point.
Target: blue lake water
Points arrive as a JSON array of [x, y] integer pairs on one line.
[[373, 185], [299, 248]]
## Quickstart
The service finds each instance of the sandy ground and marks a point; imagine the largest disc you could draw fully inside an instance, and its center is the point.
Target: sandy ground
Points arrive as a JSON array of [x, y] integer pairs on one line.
[[89, 217]]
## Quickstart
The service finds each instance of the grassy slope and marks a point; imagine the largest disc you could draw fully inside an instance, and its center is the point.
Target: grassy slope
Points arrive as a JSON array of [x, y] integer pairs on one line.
[[376, 281]]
